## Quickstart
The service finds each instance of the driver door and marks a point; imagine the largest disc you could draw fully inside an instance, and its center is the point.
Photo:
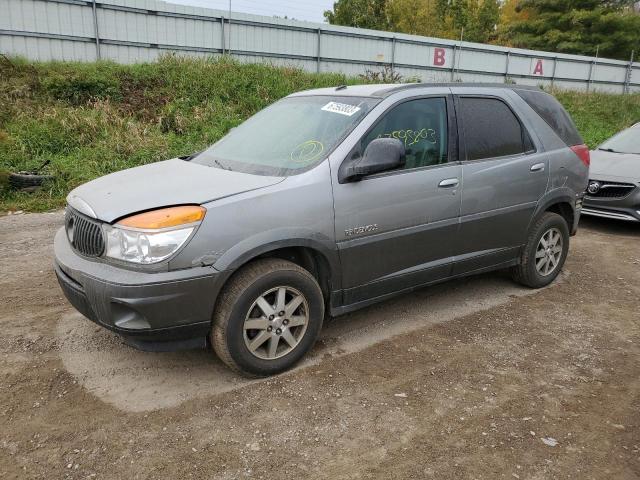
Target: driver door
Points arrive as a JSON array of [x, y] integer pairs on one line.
[[394, 229]]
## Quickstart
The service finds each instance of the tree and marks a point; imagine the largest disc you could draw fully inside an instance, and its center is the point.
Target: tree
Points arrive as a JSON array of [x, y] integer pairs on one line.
[[416, 17], [435, 18], [359, 13], [569, 26], [576, 26]]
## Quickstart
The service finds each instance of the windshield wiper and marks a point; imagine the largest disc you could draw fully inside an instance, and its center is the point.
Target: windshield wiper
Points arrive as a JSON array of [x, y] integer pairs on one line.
[[609, 150], [188, 158], [224, 167]]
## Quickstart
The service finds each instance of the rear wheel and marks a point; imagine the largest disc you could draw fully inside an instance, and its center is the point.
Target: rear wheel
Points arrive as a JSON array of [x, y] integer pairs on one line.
[[544, 253], [267, 317]]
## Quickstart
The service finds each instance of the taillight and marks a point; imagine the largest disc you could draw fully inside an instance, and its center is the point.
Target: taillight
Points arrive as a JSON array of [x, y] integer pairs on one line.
[[582, 151]]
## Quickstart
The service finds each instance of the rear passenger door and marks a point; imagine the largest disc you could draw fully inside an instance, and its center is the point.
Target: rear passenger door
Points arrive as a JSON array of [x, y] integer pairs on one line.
[[503, 179]]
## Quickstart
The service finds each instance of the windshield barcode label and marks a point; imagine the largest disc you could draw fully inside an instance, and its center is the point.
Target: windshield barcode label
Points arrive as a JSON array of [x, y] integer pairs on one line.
[[341, 108]]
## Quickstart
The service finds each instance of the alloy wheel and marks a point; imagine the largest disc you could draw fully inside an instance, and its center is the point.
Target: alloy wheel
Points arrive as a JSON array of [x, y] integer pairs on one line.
[[276, 323], [549, 252]]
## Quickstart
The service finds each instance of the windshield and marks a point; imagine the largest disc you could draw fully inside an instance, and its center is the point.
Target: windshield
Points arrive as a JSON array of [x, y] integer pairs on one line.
[[627, 141], [288, 137]]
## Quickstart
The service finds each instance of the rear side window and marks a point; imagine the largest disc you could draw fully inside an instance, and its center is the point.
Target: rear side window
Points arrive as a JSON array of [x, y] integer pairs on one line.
[[554, 114], [491, 129]]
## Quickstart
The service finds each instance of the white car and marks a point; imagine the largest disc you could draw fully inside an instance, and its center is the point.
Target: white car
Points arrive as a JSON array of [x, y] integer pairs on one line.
[[614, 178]]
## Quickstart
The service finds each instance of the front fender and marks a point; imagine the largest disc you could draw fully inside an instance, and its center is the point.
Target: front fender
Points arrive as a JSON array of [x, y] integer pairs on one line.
[[267, 241]]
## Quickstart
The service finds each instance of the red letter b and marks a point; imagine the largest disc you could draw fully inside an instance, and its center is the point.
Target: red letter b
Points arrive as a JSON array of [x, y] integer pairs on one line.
[[438, 56]]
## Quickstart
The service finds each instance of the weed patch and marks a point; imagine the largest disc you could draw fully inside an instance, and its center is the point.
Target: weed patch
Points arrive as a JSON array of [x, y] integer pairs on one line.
[[91, 119]]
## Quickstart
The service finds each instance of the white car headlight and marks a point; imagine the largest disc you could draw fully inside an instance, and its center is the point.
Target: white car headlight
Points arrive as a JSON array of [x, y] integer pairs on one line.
[[152, 236]]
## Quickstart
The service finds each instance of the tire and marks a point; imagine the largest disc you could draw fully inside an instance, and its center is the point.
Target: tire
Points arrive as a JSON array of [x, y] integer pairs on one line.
[[239, 302], [26, 180], [528, 272]]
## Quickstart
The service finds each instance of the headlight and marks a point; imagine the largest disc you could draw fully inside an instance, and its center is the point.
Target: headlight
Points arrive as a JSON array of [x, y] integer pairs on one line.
[[152, 236]]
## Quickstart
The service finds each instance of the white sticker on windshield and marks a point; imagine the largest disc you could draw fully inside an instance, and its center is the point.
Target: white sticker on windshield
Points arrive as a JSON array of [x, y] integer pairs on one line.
[[341, 108]]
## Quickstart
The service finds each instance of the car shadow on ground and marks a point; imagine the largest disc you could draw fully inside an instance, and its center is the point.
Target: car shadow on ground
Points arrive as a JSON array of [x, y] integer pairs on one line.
[[609, 226], [131, 380]]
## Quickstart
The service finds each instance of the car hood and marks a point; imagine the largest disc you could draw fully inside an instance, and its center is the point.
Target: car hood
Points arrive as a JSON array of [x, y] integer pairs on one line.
[[161, 184], [619, 165]]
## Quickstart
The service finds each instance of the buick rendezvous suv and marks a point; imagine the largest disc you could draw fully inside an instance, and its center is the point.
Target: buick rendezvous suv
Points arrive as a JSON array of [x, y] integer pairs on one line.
[[325, 202]]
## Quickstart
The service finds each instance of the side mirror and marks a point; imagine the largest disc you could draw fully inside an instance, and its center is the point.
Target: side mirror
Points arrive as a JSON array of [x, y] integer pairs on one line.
[[381, 154]]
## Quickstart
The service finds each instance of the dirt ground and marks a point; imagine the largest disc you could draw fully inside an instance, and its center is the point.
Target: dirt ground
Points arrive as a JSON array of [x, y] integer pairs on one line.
[[477, 379]]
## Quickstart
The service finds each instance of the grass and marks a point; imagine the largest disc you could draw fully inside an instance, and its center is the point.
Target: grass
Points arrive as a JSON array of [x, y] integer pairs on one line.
[[90, 119]]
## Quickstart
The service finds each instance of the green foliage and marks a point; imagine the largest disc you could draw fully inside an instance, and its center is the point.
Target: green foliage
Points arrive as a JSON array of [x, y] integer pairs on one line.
[[576, 26], [599, 115], [438, 18], [89, 81], [569, 26], [148, 112], [384, 75], [359, 13], [95, 118]]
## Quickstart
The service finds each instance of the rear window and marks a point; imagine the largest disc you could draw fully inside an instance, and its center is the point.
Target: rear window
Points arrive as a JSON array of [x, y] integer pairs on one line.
[[554, 114], [491, 129]]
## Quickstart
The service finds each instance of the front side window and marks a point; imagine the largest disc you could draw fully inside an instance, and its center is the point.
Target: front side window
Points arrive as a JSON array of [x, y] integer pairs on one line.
[[421, 125], [491, 129], [288, 137]]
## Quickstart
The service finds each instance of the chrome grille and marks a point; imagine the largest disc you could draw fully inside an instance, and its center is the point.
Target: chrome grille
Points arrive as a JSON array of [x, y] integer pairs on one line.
[[84, 233], [606, 189]]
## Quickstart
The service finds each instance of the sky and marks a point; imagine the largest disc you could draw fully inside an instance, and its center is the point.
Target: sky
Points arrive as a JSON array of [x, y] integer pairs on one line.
[[310, 10]]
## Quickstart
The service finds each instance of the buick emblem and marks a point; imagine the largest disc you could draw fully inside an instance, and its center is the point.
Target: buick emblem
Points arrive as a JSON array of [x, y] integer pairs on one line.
[[593, 188]]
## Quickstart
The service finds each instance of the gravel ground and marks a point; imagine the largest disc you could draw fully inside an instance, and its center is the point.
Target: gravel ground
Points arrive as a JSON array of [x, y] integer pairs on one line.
[[477, 379]]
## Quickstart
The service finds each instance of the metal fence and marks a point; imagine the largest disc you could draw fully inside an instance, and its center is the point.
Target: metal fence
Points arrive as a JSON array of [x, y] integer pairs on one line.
[[128, 31]]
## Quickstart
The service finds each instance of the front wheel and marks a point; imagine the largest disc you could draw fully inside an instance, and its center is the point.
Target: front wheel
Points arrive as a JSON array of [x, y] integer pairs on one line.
[[544, 253], [267, 317]]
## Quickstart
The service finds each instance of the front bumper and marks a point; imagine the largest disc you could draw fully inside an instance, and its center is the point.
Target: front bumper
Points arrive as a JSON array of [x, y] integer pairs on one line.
[[628, 215], [625, 207], [152, 311]]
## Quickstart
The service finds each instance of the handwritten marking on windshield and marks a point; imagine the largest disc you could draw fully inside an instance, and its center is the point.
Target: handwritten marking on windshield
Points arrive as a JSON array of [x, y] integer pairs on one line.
[[307, 152]]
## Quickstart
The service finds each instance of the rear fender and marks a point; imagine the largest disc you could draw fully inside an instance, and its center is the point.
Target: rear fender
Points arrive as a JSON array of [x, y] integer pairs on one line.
[[553, 197]]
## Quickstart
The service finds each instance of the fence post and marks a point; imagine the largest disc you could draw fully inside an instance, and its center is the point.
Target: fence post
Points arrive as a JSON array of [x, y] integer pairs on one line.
[[95, 28], [318, 51], [506, 70], [393, 53], [229, 46], [222, 40], [459, 55], [553, 72], [627, 79], [592, 68], [453, 62]]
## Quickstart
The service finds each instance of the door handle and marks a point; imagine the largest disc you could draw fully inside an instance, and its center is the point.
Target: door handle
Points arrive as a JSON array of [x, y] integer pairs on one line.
[[538, 167], [448, 183]]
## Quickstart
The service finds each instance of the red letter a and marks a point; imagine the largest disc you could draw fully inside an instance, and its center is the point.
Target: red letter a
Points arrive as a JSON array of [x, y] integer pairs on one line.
[[538, 69]]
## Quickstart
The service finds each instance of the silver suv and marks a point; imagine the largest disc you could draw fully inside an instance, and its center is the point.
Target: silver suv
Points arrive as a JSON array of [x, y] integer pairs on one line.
[[325, 202]]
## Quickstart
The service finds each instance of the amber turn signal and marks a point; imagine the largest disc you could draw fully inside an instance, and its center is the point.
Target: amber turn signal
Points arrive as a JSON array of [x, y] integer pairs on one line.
[[165, 217]]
